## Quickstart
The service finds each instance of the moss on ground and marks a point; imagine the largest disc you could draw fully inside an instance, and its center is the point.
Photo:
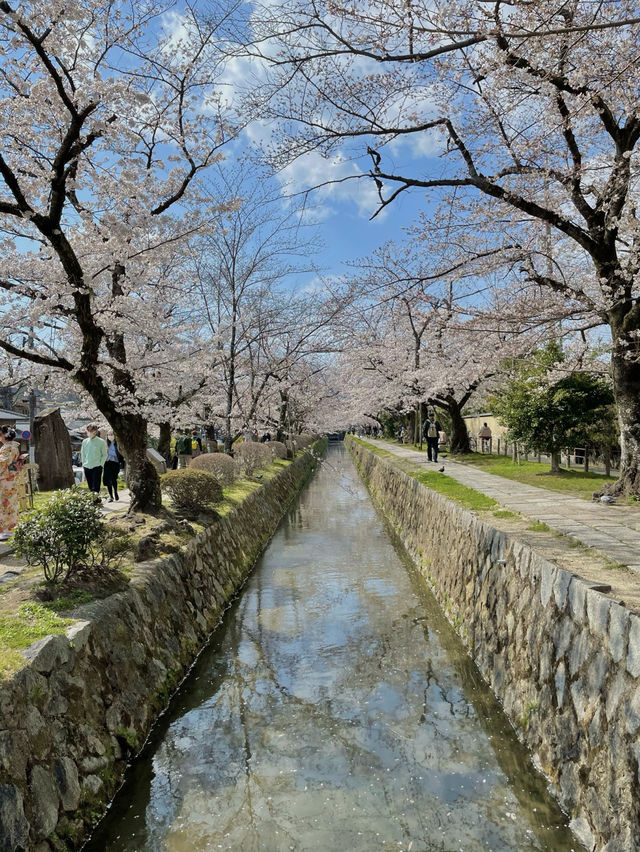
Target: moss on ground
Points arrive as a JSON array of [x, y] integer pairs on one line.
[[31, 622]]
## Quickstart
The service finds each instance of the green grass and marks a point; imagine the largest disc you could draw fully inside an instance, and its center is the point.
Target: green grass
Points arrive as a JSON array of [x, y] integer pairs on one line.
[[377, 451], [575, 482], [616, 566], [241, 488], [445, 485], [539, 526], [505, 513], [236, 493], [41, 498], [64, 603], [32, 621]]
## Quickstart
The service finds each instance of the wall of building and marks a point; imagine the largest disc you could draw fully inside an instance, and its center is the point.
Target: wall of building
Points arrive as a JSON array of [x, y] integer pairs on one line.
[[475, 422], [563, 659], [83, 706]]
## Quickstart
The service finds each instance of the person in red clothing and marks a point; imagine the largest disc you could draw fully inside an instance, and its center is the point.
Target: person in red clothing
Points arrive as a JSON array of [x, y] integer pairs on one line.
[[9, 495]]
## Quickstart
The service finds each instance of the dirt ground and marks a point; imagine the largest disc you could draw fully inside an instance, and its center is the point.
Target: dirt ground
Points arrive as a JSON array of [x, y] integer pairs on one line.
[[566, 553]]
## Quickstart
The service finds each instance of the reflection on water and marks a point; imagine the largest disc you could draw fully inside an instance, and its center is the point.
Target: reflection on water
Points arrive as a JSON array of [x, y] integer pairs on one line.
[[333, 710]]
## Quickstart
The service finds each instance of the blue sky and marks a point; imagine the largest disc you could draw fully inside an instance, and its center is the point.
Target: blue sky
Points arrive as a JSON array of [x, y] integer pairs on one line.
[[343, 211], [349, 234]]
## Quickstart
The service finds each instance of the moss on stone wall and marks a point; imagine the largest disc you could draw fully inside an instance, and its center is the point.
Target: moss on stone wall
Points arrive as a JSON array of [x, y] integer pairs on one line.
[[563, 658], [72, 718]]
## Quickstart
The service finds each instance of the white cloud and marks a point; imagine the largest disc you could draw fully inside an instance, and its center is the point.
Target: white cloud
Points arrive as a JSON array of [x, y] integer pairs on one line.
[[334, 181]]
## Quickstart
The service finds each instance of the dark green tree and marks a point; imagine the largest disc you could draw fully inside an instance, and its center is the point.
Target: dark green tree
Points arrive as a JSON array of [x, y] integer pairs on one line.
[[545, 416]]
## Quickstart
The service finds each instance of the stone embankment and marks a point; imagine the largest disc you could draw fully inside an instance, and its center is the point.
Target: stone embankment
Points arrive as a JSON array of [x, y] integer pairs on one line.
[[72, 718], [563, 659]]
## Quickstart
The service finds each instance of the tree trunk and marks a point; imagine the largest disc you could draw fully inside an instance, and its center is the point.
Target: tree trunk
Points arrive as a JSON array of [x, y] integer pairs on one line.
[[164, 442], [282, 432], [52, 451], [459, 438], [625, 370], [555, 461], [607, 460], [142, 477]]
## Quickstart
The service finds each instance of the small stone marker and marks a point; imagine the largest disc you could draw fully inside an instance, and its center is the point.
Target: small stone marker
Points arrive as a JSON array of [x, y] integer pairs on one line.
[[157, 460]]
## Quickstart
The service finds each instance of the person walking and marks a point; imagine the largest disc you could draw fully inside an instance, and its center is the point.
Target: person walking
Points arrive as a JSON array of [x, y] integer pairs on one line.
[[9, 495], [431, 432], [94, 455], [112, 468], [485, 437], [196, 444], [184, 450]]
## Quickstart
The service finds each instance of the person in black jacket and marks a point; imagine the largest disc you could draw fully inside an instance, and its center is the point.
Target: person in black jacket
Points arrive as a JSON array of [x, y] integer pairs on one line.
[[112, 468], [431, 433]]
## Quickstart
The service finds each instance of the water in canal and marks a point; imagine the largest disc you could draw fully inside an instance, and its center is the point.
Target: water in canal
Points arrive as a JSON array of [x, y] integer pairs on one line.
[[334, 709]]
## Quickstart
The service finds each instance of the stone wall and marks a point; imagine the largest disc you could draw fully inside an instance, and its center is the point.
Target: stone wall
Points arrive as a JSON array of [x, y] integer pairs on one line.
[[563, 659], [84, 704]]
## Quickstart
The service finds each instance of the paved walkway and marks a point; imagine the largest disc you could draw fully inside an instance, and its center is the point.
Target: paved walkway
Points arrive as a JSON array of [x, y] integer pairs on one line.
[[613, 530]]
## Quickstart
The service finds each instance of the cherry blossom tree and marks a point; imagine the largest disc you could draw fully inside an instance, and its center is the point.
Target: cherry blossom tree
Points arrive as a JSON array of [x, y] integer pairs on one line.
[[528, 115], [433, 328], [110, 113], [243, 269]]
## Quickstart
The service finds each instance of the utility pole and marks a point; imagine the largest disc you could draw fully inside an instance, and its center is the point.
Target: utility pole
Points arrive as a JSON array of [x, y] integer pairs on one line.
[[33, 410]]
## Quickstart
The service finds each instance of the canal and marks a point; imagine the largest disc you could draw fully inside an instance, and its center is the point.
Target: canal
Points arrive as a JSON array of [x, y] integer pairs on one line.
[[333, 709]]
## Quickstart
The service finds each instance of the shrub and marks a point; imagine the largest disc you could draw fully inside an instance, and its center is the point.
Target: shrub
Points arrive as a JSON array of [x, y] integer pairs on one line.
[[304, 440], [61, 536], [278, 449], [251, 455], [222, 466], [191, 491]]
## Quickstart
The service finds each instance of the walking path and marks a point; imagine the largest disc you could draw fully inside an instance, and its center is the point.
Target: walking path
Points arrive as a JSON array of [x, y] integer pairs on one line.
[[613, 530]]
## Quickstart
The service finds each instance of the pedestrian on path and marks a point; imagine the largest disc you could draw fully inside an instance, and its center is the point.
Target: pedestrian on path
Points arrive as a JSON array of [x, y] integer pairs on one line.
[[9, 496], [196, 444], [94, 455], [431, 432], [112, 468], [184, 449], [485, 437]]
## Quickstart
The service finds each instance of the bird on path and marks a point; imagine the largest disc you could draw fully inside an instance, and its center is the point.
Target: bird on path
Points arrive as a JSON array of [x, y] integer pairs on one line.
[[441, 469]]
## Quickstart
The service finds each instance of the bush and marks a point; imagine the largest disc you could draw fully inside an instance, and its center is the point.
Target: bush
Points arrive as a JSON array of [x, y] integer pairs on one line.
[[191, 491], [61, 536], [278, 449], [251, 455], [304, 440], [222, 466]]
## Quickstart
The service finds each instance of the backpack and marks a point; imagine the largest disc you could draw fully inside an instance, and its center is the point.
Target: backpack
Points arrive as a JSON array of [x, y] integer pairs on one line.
[[432, 432], [183, 446]]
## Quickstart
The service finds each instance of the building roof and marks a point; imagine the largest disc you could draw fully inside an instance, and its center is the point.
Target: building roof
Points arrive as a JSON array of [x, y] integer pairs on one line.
[[6, 414]]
